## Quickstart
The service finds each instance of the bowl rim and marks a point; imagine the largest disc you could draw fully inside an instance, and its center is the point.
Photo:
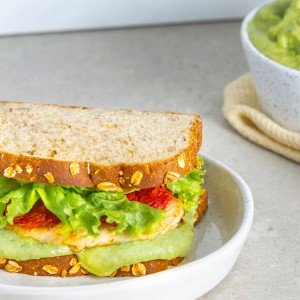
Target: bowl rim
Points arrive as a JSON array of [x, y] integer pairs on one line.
[[246, 39]]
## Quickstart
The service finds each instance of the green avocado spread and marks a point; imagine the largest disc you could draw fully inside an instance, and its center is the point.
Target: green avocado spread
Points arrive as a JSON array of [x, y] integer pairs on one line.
[[14, 246], [102, 260], [275, 31]]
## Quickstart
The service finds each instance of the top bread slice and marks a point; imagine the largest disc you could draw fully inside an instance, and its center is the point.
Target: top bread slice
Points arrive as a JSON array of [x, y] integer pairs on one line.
[[83, 146]]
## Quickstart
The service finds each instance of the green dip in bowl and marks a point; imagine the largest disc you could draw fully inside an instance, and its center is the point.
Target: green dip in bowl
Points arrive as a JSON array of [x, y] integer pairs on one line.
[[275, 32]]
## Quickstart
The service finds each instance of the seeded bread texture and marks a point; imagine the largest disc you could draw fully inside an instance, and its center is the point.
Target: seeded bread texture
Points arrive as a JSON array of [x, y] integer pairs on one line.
[[90, 146], [67, 266]]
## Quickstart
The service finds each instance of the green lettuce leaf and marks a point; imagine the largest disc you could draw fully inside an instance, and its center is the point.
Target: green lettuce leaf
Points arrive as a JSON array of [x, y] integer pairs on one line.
[[188, 189], [129, 215], [78, 208]]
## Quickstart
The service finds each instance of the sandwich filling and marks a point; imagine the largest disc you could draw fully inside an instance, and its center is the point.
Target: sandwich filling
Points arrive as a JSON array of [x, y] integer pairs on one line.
[[107, 236], [106, 230]]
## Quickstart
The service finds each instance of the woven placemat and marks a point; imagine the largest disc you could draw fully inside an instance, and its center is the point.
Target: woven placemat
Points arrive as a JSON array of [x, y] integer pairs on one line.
[[242, 110]]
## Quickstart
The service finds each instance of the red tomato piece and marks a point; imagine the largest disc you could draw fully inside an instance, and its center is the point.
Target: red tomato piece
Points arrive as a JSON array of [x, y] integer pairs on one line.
[[103, 222], [38, 216], [157, 197]]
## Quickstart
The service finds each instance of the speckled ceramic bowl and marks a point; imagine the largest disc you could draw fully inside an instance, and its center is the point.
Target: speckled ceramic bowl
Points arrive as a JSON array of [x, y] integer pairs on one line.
[[277, 86]]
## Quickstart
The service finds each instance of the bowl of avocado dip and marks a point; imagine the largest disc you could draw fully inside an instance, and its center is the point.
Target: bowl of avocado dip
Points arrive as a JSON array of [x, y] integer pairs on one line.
[[271, 40]]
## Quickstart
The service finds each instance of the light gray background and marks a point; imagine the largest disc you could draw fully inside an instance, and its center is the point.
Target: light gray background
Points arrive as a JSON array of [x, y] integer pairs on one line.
[[176, 68], [23, 16]]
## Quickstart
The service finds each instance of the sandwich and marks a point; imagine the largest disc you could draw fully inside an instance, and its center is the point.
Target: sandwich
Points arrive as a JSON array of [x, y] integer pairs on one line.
[[93, 191]]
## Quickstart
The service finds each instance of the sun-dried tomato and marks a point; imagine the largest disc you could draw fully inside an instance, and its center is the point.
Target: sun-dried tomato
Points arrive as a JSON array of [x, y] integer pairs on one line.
[[38, 216], [157, 197], [105, 223]]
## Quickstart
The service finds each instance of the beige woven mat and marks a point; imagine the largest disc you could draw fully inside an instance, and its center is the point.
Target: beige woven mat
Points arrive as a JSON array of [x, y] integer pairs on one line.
[[241, 109]]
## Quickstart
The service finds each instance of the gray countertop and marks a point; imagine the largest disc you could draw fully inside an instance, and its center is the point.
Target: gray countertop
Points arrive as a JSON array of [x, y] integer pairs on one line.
[[174, 68]]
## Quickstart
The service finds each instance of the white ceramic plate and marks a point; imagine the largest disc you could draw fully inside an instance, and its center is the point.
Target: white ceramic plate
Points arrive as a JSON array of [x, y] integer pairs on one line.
[[218, 241]]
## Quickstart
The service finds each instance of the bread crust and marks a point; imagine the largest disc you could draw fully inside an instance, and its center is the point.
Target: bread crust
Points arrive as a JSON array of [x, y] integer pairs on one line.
[[90, 174], [64, 264], [39, 267]]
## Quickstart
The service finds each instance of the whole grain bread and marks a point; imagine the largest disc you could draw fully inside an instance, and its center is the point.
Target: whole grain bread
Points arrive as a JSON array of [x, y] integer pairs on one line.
[[68, 266], [83, 146]]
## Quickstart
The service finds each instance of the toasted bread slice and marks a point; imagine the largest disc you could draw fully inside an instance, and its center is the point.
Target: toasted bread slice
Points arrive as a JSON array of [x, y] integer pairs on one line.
[[84, 146], [66, 266]]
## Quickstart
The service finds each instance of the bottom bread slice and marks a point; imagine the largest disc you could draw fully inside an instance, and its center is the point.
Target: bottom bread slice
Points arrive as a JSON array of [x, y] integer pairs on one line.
[[69, 266]]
